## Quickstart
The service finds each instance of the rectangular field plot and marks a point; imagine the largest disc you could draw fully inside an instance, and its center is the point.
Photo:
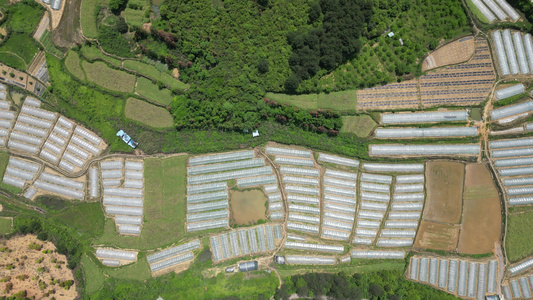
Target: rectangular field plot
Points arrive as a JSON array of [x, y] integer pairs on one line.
[[481, 222], [437, 236], [468, 83], [395, 95], [444, 191]]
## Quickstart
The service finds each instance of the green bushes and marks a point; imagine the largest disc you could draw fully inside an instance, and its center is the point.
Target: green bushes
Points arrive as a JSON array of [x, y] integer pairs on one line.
[[113, 42]]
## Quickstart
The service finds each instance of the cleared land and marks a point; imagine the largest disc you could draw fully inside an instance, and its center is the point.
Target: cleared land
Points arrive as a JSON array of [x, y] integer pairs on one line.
[[247, 207], [27, 259], [519, 238], [444, 183], [345, 101], [451, 53], [437, 236], [164, 207], [151, 91], [481, 223], [100, 74], [149, 114], [359, 125], [72, 63], [152, 72]]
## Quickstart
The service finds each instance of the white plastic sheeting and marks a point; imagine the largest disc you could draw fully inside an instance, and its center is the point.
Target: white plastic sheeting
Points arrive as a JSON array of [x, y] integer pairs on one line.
[[91, 137], [528, 45], [223, 223], [192, 208], [378, 254], [171, 262], [128, 220], [511, 12], [62, 181], [401, 168], [37, 112], [126, 211], [484, 10], [288, 152], [129, 229], [397, 133], [302, 199], [424, 150], [294, 161], [304, 218], [500, 52], [302, 227], [207, 216], [229, 175], [341, 174], [209, 187], [301, 190], [424, 117], [314, 247], [510, 52], [22, 147], [309, 260], [213, 168], [173, 251], [59, 189], [338, 160], [496, 9], [410, 178], [520, 53], [518, 268], [300, 180], [116, 254]]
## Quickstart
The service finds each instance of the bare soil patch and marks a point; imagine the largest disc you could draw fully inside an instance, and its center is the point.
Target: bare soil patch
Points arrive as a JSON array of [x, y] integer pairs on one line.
[[247, 207], [481, 223], [68, 32], [452, 53], [437, 236], [25, 269], [444, 180]]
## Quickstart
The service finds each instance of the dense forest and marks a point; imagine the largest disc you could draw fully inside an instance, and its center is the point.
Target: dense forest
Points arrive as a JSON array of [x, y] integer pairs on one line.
[[388, 285]]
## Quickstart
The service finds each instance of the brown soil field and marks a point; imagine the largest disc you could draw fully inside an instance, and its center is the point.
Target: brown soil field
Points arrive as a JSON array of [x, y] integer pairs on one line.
[[437, 236], [67, 32], [481, 223], [444, 185], [247, 207], [33, 269], [451, 53]]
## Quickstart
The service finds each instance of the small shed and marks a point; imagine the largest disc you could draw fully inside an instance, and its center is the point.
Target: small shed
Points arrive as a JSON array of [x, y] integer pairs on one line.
[[493, 297], [230, 269], [390, 34], [401, 41], [255, 133], [280, 260], [248, 266]]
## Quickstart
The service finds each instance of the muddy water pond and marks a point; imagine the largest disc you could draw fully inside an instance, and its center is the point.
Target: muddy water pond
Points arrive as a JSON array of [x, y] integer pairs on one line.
[[247, 207]]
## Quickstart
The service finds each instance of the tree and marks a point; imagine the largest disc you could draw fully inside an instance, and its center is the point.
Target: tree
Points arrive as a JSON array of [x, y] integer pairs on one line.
[[314, 12], [116, 6], [376, 290], [263, 66], [121, 25], [292, 83]]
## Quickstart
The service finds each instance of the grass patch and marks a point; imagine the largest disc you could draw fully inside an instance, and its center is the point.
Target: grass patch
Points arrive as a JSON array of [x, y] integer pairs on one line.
[[12, 60], [72, 63], [510, 100], [355, 266], [111, 79], [149, 114], [48, 44], [51, 202], [164, 206], [23, 46], [93, 53], [94, 278], [476, 12], [86, 217], [151, 91], [5, 225], [519, 240], [24, 16], [475, 114], [338, 101], [139, 270], [88, 17], [152, 72], [134, 17], [360, 125]]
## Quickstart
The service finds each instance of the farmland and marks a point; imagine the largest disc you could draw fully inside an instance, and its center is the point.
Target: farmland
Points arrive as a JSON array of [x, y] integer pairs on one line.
[[102, 75], [519, 240], [148, 114], [149, 90], [73, 65], [92, 53], [437, 236], [445, 191], [88, 17], [360, 125], [336, 101], [20, 50], [481, 222], [5, 225], [155, 74]]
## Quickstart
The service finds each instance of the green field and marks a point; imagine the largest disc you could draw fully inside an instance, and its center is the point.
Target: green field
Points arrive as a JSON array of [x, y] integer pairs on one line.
[[23, 46], [355, 266], [164, 207], [476, 12], [139, 270], [149, 114], [360, 125], [12, 60], [152, 72], [519, 239], [88, 17], [151, 91], [111, 79], [72, 63], [5, 225], [94, 279], [46, 40], [86, 217], [93, 53], [344, 101]]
